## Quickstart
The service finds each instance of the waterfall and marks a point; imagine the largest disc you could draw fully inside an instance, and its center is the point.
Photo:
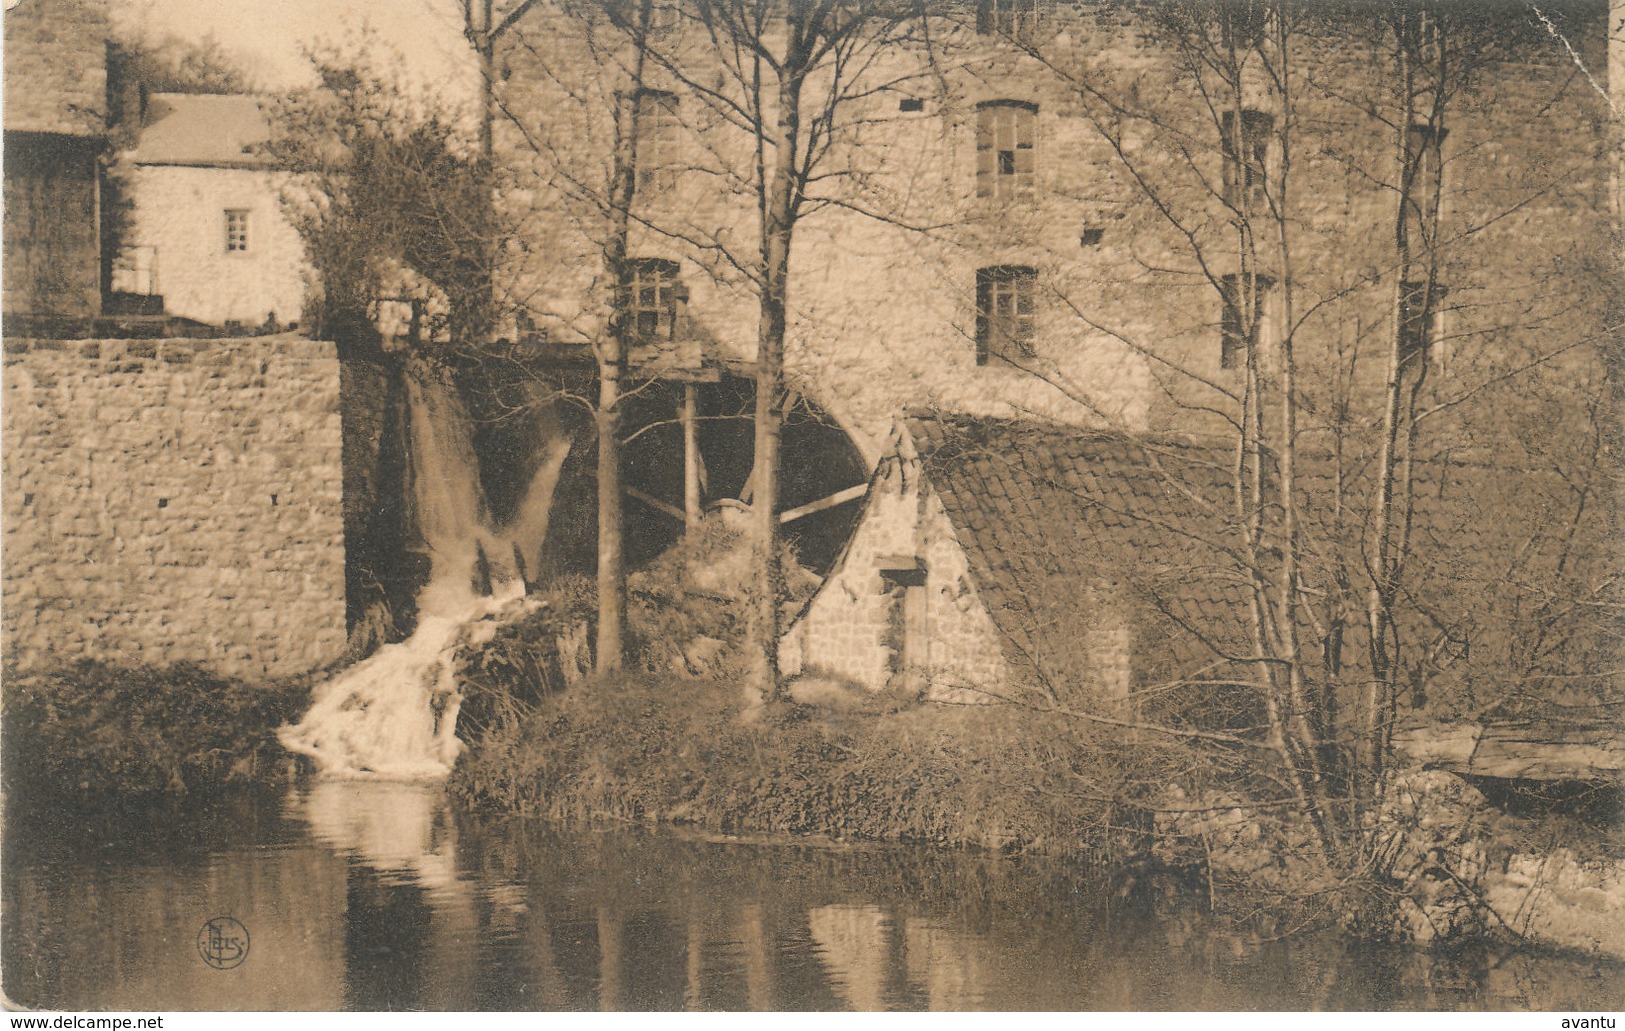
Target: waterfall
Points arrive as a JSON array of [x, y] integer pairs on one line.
[[393, 716]]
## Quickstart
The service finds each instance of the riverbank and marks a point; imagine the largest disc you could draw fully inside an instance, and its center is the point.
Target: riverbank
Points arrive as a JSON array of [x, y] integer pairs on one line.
[[94, 729], [698, 754], [375, 896], [680, 744]]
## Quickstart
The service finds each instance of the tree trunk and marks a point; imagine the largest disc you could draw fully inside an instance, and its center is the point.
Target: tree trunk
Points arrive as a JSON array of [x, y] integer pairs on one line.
[[691, 458], [611, 353], [611, 561], [1380, 591], [778, 224]]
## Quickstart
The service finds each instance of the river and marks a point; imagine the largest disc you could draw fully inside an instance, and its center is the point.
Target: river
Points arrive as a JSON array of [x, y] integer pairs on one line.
[[381, 896]]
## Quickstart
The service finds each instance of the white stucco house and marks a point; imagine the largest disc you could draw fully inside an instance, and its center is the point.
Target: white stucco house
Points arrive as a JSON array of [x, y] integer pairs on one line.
[[207, 232]]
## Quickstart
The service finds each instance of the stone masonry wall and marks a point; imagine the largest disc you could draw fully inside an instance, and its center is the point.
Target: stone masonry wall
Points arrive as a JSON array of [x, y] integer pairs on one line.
[[56, 66], [853, 629], [175, 500], [1127, 324]]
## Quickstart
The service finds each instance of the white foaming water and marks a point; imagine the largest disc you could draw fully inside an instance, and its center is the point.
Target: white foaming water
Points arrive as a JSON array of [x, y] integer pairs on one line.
[[393, 716]]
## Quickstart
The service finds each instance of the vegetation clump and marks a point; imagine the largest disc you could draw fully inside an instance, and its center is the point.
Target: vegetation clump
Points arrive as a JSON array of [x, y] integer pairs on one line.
[[701, 753], [98, 729]]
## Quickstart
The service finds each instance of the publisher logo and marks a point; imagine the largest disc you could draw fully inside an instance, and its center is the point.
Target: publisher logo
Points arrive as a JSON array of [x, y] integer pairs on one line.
[[223, 943]]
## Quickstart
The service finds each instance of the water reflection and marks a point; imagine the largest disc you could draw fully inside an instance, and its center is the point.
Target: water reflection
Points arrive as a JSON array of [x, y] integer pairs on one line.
[[380, 896]]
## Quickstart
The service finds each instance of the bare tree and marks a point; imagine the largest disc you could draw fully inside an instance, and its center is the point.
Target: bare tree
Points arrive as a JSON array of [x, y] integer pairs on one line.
[[790, 79], [1226, 152], [765, 101]]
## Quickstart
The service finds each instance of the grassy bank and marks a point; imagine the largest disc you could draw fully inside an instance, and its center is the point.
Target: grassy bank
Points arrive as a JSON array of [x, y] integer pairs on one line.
[[694, 753], [96, 729]]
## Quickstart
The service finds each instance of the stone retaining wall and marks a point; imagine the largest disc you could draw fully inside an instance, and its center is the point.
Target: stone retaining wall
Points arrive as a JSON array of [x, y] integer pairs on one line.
[[173, 500]]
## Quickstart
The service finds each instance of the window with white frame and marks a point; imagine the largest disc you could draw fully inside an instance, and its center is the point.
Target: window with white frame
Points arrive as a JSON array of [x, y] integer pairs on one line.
[[1421, 331], [1424, 165], [1245, 141], [1015, 19], [236, 230], [1244, 320]]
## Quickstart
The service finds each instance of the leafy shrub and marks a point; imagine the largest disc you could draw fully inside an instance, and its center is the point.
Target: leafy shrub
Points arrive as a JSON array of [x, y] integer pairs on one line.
[[504, 677], [94, 728]]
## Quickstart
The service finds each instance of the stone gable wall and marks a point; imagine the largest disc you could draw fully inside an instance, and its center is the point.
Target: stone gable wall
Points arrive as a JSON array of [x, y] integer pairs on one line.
[[173, 500], [852, 629]]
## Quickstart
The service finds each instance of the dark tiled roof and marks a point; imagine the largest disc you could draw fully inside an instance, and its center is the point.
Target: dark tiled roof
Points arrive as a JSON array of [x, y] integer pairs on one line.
[[56, 67], [1059, 523], [212, 130]]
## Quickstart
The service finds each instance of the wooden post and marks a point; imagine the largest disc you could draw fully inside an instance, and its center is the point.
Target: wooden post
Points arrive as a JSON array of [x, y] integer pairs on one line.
[[691, 457]]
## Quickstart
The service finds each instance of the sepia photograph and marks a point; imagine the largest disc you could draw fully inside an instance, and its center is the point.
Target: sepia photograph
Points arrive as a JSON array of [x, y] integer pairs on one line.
[[813, 505]]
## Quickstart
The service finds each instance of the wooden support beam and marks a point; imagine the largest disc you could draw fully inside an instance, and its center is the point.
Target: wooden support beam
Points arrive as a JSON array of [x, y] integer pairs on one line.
[[838, 498], [692, 471], [656, 504]]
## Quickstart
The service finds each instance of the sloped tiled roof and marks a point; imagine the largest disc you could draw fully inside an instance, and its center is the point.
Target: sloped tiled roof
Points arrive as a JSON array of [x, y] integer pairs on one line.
[[218, 131], [56, 67], [1057, 522]]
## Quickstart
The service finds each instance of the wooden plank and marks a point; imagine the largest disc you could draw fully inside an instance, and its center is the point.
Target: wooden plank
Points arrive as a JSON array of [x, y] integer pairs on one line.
[[840, 497], [656, 504], [1518, 751], [692, 469], [1447, 747]]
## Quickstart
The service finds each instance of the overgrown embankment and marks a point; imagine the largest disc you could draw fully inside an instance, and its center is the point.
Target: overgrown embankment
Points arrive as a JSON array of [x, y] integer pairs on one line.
[[678, 740], [694, 752], [96, 729]]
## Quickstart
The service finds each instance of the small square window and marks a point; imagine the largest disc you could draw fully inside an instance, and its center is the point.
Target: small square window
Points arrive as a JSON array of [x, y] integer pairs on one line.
[[236, 230]]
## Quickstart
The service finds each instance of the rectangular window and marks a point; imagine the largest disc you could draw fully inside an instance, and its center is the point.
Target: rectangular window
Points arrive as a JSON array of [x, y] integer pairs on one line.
[[236, 230], [1420, 333], [1423, 163], [1244, 320], [1246, 146], [1014, 19], [657, 140], [1005, 130], [651, 297], [1006, 297]]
